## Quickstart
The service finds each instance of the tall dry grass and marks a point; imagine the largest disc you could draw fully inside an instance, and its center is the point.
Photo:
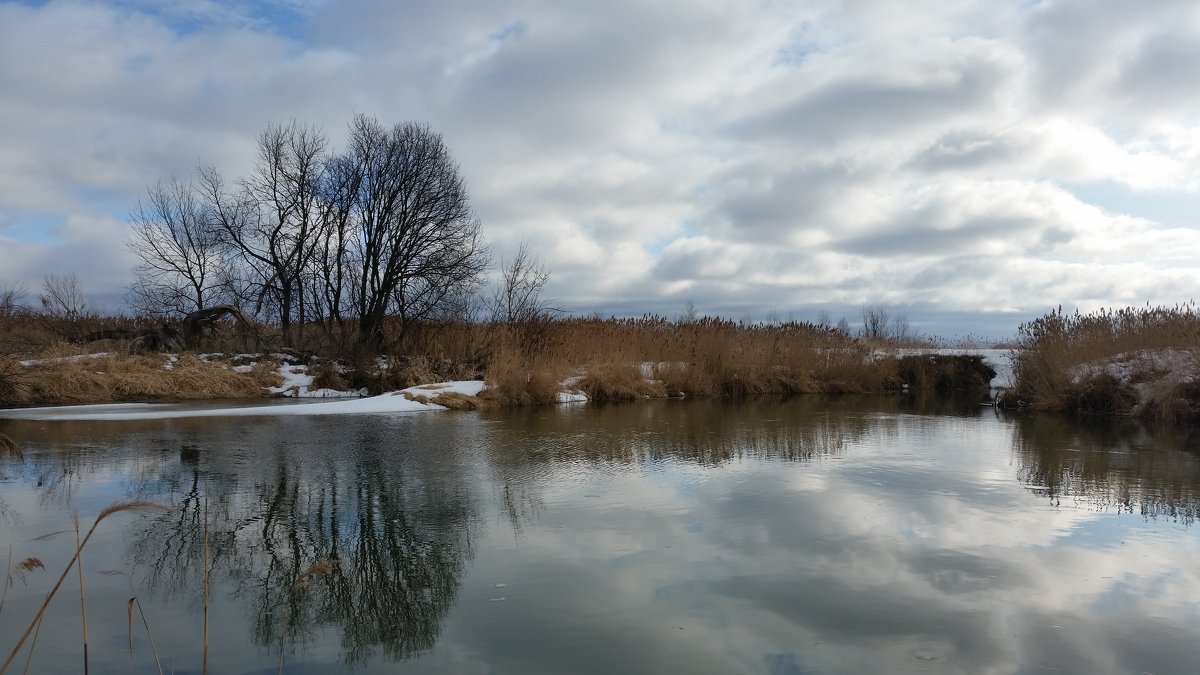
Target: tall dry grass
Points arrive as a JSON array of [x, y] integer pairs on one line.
[[1142, 361], [621, 359], [123, 377]]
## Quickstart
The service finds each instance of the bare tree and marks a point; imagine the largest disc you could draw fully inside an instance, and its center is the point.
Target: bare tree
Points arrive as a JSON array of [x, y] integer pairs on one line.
[[63, 301], [900, 330], [384, 230], [518, 297], [180, 251], [62, 297], [689, 313], [11, 301], [330, 271], [878, 324], [875, 323], [416, 242], [273, 223]]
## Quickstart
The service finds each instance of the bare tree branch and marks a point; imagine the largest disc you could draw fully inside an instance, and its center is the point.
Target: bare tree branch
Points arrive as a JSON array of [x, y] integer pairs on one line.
[[180, 250], [518, 297]]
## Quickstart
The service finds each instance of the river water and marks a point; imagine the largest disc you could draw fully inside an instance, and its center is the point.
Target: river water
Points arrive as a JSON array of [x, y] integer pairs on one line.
[[806, 535]]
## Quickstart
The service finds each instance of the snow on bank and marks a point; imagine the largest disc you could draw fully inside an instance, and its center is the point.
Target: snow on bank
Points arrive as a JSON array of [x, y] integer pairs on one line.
[[427, 392], [393, 402], [1143, 369], [296, 383]]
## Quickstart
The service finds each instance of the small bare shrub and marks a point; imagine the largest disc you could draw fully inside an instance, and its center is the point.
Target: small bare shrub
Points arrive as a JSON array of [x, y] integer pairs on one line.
[[265, 373], [326, 375], [619, 382]]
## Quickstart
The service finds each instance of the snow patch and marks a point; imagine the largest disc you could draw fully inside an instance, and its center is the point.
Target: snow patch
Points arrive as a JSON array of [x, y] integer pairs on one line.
[[1161, 366], [77, 357], [430, 391], [387, 403]]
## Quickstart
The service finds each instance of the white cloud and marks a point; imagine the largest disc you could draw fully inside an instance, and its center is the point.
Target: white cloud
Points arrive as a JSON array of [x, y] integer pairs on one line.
[[775, 155]]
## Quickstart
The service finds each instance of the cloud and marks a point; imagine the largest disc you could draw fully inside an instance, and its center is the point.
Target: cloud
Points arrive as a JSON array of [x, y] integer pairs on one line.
[[778, 156]]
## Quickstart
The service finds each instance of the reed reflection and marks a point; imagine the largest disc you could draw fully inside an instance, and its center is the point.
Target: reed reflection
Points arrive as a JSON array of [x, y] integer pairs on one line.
[[1111, 464], [704, 432], [530, 449]]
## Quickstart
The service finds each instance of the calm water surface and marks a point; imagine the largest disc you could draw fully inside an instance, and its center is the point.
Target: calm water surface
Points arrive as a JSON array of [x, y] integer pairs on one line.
[[809, 535]]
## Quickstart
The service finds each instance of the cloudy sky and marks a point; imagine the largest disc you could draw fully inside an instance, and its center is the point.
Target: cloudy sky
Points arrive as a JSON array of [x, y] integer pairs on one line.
[[971, 163]]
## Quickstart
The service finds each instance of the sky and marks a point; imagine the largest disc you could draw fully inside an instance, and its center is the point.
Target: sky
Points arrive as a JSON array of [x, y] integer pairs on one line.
[[970, 164]]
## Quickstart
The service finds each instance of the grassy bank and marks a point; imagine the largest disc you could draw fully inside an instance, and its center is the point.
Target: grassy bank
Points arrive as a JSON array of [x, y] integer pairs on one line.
[[54, 379], [522, 363], [1142, 362]]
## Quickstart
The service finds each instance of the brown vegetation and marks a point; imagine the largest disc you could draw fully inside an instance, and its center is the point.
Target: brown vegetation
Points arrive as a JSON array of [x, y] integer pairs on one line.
[[118, 377], [524, 363], [622, 359], [1143, 362], [10, 448], [327, 375], [943, 372]]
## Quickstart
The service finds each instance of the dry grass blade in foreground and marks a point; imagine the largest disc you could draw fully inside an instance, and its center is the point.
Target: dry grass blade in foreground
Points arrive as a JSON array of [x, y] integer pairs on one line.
[[134, 602], [82, 594], [24, 567], [132, 505], [9, 447]]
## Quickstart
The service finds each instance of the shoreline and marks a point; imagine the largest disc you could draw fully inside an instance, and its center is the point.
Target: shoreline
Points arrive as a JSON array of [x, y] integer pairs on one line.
[[305, 385]]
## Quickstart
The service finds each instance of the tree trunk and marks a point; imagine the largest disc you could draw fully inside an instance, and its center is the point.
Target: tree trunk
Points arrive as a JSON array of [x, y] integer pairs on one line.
[[195, 323]]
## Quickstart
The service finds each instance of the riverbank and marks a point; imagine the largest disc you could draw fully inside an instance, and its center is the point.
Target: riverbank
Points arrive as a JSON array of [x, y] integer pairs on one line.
[[1142, 363], [122, 385]]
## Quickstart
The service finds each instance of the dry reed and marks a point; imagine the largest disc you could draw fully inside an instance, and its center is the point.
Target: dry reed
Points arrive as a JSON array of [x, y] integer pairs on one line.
[[82, 594], [522, 363], [204, 657], [118, 507], [129, 606], [1141, 361], [10, 448], [24, 567], [710, 357], [327, 375], [457, 401]]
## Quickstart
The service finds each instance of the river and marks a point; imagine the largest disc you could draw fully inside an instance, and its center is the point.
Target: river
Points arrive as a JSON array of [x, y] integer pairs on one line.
[[778, 536]]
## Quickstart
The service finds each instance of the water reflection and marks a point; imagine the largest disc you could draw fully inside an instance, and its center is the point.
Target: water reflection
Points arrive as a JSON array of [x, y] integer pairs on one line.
[[889, 534], [704, 432], [280, 496], [1115, 465]]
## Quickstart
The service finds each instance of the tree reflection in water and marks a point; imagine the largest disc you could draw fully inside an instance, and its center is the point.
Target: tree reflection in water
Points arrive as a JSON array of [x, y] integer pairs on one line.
[[401, 536]]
